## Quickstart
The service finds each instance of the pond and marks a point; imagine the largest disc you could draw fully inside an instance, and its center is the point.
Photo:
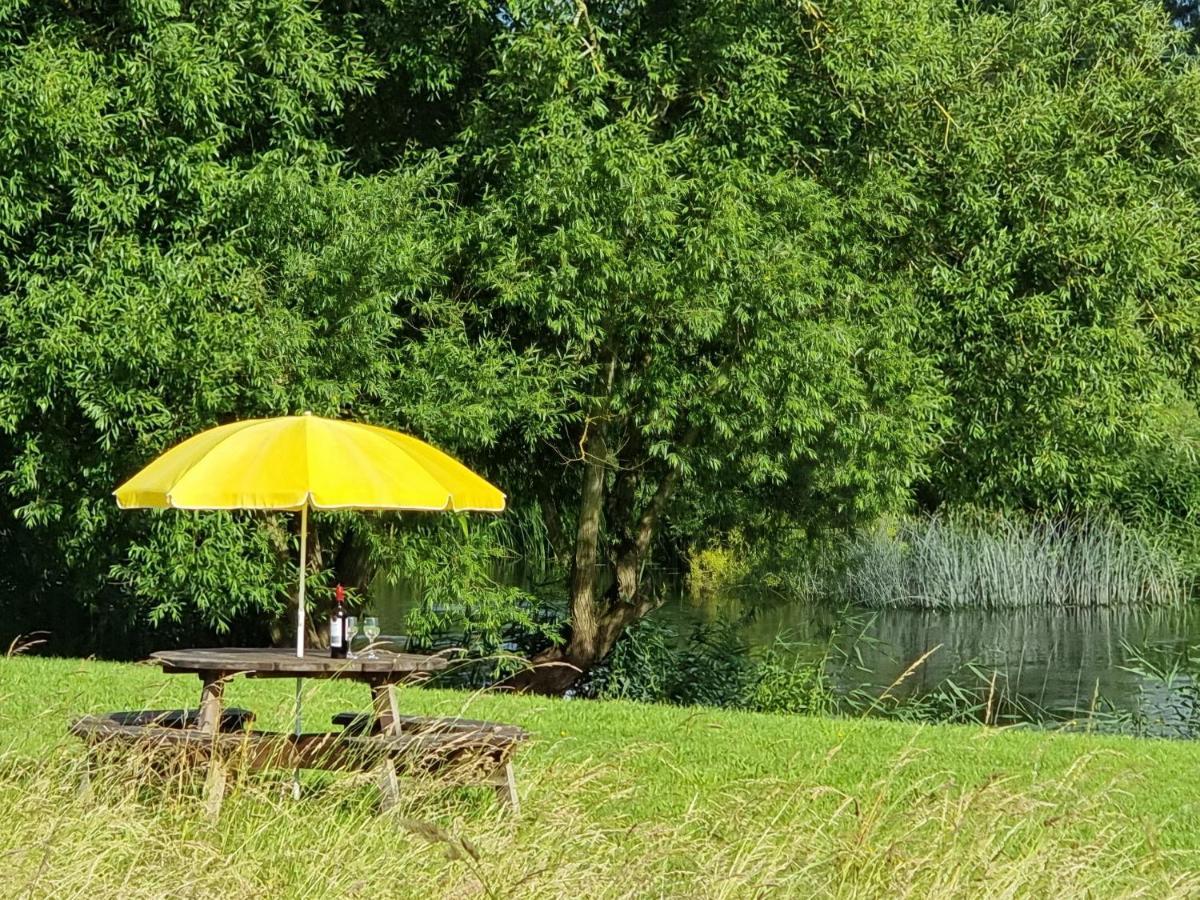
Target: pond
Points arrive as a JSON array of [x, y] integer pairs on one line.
[[1078, 668], [1084, 666]]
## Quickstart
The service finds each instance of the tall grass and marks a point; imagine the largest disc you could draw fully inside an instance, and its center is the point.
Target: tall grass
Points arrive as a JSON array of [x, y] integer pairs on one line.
[[714, 667], [1173, 676], [619, 800], [954, 562], [711, 667], [903, 831]]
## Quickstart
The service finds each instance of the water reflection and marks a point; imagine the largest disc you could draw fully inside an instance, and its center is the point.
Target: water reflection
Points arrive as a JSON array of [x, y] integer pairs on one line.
[[1061, 659], [1069, 664]]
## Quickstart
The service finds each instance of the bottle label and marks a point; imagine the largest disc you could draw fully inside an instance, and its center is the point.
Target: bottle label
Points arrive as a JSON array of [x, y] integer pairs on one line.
[[335, 632]]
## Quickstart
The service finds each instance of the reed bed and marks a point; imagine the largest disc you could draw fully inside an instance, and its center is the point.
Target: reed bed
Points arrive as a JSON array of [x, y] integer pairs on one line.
[[952, 562]]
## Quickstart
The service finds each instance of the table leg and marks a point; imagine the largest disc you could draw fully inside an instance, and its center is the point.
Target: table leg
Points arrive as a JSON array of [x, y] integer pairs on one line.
[[214, 786], [505, 783], [389, 786], [210, 702], [209, 720], [387, 712], [85, 777], [387, 709]]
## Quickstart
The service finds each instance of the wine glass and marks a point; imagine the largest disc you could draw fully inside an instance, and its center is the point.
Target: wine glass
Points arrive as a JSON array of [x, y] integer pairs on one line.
[[371, 630], [351, 631]]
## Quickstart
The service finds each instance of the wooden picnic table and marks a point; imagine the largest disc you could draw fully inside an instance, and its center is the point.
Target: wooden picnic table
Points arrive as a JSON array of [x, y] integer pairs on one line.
[[216, 667], [385, 739]]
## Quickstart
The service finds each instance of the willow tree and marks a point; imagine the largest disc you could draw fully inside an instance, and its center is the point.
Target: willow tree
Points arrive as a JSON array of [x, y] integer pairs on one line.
[[1031, 171], [1047, 183], [712, 331], [132, 308]]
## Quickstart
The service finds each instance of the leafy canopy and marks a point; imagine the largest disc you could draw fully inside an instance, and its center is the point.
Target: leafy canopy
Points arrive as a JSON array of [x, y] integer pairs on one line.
[[659, 269]]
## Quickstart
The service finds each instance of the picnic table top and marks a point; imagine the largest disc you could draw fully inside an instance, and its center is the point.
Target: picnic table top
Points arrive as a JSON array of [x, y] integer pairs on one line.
[[276, 661]]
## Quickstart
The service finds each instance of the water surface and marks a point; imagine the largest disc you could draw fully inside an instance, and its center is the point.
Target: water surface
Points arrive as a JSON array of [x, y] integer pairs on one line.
[[1074, 666], [1079, 665]]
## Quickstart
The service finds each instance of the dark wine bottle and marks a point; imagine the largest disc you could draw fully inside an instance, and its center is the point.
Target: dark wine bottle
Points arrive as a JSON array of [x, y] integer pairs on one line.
[[338, 645]]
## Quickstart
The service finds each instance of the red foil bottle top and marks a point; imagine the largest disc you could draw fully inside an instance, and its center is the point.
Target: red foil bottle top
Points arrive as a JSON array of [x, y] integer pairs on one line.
[[340, 594]]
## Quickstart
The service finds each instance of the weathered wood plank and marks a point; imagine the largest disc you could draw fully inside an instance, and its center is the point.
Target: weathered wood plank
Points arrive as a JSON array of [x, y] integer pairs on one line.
[[389, 786], [214, 787], [387, 709], [85, 776], [505, 782], [364, 723], [211, 695], [332, 750], [461, 756], [232, 719], [271, 662]]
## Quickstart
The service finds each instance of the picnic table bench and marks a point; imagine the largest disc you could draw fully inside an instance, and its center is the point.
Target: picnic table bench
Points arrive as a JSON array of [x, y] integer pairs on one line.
[[468, 751]]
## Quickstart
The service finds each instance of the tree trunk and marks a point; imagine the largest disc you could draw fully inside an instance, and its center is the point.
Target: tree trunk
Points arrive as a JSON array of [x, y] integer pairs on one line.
[[597, 623], [556, 669]]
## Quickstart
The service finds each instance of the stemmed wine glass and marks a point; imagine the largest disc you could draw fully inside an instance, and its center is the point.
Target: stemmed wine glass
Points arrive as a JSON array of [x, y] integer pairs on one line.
[[371, 630], [351, 631]]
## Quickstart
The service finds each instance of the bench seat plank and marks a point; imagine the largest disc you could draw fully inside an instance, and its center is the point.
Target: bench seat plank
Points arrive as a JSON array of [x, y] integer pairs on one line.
[[232, 719], [333, 750], [360, 723]]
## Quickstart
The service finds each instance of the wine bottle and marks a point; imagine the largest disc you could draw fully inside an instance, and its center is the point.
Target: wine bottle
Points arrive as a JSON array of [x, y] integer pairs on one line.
[[338, 645]]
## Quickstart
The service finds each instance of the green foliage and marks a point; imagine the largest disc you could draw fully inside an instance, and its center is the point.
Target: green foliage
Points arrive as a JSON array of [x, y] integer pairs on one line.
[[135, 308], [787, 682], [1167, 671], [1047, 154], [452, 564], [1030, 172], [761, 265], [195, 560], [711, 667], [714, 569], [182, 248], [640, 667]]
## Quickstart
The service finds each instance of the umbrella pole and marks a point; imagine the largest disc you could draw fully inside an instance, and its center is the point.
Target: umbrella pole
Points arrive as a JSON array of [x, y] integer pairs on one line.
[[303, 567], [300, 630]]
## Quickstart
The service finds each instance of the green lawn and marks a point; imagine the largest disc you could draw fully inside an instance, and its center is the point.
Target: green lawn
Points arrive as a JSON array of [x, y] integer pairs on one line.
[[620, 799]]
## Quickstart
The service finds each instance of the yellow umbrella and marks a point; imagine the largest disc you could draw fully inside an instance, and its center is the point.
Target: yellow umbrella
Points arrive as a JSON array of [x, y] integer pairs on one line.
[[294, 462]]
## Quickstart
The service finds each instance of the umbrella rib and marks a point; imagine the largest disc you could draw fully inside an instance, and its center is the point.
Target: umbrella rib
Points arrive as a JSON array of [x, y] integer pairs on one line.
[[308, 479], [349, 447], [187, 471], [386, 435]]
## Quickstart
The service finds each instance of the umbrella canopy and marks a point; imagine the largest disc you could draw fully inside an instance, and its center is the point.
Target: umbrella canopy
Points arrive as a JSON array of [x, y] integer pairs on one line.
[[294, 462]]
